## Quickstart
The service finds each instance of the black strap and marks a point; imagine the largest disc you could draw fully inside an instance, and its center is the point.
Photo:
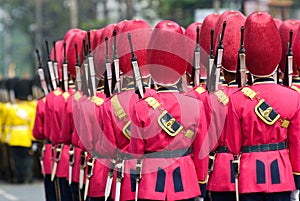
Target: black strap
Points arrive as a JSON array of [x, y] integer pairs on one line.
[[222, 149], [264, 147], [169, 154]]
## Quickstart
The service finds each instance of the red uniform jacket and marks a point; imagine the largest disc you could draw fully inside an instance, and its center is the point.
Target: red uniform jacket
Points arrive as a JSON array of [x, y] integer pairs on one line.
[[265, 171], [171, 178], [222, 177], [115, 141], [38, 133], [55, 103], [92, 128]]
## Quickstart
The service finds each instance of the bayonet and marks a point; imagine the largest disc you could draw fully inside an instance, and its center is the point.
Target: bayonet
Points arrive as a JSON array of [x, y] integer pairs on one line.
[[42, 73], [138, 83], [50, 68]]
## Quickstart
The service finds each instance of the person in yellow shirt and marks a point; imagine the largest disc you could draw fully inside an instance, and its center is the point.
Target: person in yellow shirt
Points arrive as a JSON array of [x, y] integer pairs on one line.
[[18, 132]]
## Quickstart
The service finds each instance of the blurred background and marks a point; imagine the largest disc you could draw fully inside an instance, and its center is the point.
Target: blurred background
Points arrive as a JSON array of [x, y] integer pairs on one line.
[[25, 25]]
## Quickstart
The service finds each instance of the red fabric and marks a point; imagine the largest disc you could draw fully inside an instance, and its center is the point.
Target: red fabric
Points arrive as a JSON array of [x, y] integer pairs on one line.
[[146, 133], [232, 39], [114, 140], [98, 180], [220, 178], [249, 129], [67, 125], [76, 166], [296, 48], [59, 49], [72, 37], [48, 159], [48, 114], [262, 44], [38, 128], [167, 57], [208, 24], [284, 30], [53, 114], [63, 164]]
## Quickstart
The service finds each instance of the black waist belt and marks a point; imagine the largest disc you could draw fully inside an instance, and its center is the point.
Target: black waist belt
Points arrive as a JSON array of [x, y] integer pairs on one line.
[[264, 147], [222, 149], [97, 155], [125, 156], [169, 154]]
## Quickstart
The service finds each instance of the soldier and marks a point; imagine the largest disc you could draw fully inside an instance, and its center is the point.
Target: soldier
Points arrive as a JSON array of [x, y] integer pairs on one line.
[[18, 126], [117, 110], [46, 155], [221, 178], [259, 123], [168, 127], [72, 164]]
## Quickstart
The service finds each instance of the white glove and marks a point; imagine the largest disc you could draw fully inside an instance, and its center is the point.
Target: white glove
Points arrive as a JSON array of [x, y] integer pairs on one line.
[[199, 199], [295, 195]]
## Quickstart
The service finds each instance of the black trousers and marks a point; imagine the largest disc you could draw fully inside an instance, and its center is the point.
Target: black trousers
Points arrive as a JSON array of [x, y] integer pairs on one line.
[[222, 196], [65, 190], [21, 163], [282, 196], [49, 188], [77, 194]]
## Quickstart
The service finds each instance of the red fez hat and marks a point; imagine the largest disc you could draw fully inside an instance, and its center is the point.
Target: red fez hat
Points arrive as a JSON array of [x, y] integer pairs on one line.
[[95, 35], [284, 31], [100, 51], [231, 41], [140, 32], [166, 53], [296, 48], [208, 24], [120, 26], [191, 33], [59, 49], [72, 37], [262, 44], [219, 25], [278, 22]]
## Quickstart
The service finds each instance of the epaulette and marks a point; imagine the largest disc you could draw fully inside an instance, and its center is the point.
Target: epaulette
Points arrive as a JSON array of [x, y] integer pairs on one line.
[[200, 90], [222, 97], [77, 96], [66, 95], [98, 101], [57, 92]]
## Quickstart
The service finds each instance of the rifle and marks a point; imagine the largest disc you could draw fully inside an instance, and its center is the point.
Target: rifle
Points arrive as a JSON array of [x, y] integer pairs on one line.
[[196, 68], [41, 73], [108, 73], [50, 68], [65, 70], [215, 73], [92, 80], [137, 78], [55, 65], [116, 69], [77, 69], [241, 68], [211, 59], [288, 72]]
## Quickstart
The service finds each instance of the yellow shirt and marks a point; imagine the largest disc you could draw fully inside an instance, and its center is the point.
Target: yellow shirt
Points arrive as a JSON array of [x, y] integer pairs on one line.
[[19, 123]]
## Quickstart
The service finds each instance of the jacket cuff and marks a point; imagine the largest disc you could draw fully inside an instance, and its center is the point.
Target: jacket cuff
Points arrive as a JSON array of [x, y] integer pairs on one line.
[[202, 186]]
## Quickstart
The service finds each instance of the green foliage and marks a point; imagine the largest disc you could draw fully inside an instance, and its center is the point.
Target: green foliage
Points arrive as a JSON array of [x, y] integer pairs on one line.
[[181, 11]]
